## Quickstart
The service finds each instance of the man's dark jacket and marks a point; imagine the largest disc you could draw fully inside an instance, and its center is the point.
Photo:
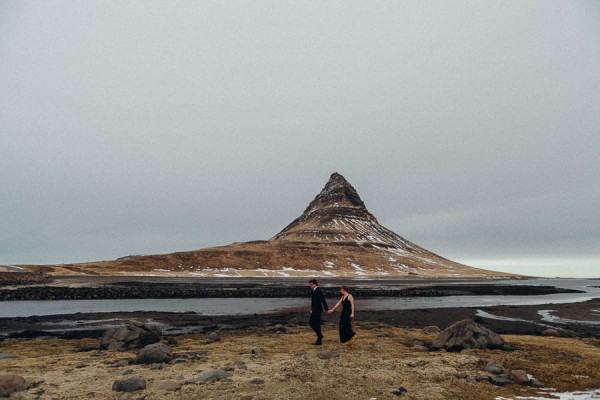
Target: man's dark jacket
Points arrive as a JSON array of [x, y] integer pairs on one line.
[[318, 302]]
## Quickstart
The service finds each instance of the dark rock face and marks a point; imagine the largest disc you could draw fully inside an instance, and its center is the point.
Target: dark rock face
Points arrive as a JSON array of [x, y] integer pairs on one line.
[[154, 353], [10, 384], [131, 336], [129, 385], [467, 334]]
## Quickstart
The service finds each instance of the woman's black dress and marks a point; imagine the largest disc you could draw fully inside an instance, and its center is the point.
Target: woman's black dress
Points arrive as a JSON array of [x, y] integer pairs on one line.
[[346, 331]]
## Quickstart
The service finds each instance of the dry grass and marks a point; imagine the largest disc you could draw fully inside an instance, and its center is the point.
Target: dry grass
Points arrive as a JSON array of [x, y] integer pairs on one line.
[[382, 359]]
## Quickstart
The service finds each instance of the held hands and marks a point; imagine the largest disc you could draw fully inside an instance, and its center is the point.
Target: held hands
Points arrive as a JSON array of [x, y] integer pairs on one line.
[[352, 316], [329, 312]]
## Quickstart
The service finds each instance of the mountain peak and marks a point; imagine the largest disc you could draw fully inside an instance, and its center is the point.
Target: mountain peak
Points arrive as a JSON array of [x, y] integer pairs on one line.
[[337, 193]]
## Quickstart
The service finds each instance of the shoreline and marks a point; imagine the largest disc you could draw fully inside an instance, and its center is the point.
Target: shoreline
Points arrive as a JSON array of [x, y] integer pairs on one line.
[[582, 320]]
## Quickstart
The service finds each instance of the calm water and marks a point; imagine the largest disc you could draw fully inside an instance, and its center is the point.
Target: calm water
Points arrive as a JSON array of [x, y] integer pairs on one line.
[[232, 306]]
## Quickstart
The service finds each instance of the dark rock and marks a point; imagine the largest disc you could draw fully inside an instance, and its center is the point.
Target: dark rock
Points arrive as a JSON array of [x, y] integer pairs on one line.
[[258, 351], [178, 360], [551, 332], [154, 353], [171, 341], [494, 367], [157, 366], [129, 385], [500, 380], [428, 330], [325, 354], [519, 376], [228, 367], [84, 349], [535, 383], [400, 391], [81, 365], [169, 386], [460, 375], [467, 334], [257, 381], [4, 356], [212, 376], [131, 336], [240, 365], [471, 379], [214, 337], [121, 363], [10, 384]]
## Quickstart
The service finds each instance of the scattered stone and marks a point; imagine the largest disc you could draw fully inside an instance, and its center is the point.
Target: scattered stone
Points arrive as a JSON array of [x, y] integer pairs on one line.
[[300, 353], [213, 376], [551, 332], [472, 380], [482, 378], [276, 329], [214, 337], [325, 354], [84, 349], [134, 335], [178, 360], [156, 366], [535, 383], [169, 386], [81, 365], [519, 376], [467, 334], [258, 351], [121, 363], [129, 385], [257, 381], [128, 372], [400, 391], [460, 375], [500, 380], [240, 365], [228, 367], [494, 367], [154, 353], [10, 384], [4, 356], [429, 330], [171, 341]]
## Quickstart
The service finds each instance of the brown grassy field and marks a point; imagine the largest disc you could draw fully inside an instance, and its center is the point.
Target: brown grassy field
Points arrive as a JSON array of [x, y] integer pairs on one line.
[[383, 359]]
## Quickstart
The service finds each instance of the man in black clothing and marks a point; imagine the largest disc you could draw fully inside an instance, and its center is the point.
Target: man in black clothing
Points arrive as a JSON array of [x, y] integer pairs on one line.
[[318, 303]]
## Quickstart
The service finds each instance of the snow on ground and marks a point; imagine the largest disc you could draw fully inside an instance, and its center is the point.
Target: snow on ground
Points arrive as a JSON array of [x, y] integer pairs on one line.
[[551, 394]]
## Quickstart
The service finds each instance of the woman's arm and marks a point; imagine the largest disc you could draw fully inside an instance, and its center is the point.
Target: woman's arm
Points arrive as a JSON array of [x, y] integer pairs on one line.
[[351, 298], [334, 307]]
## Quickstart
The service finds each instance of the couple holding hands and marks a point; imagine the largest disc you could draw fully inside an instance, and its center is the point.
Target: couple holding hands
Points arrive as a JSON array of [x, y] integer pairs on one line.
[[318, 304]]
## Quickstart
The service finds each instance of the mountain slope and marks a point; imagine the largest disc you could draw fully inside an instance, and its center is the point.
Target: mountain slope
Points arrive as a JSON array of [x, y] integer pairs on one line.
[[335, 236]]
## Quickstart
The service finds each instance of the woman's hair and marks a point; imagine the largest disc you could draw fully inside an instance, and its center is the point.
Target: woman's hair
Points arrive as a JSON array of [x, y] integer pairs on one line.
[[346, 289]]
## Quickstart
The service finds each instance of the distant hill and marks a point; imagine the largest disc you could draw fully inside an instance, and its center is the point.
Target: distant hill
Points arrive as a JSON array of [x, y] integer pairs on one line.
[[336, 236]]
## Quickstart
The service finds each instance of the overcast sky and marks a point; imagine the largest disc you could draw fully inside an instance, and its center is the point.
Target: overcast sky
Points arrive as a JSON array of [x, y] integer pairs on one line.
[[470, 128]]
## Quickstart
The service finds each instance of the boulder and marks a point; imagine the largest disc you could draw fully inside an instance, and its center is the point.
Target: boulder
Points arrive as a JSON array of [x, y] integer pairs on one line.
[[519, 376], [10, 384], [154, 353], [467, 334], [212, 376], [428, 330], [129, 385], [131, 336], [169, 386], [214, 337], [494, 367]]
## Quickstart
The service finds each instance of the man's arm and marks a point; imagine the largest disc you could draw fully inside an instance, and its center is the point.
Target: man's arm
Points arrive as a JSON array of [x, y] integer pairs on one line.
[[324, 301]]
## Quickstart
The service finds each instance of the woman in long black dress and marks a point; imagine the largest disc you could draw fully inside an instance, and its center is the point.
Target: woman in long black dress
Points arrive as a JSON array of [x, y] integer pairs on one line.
[[347, 335]]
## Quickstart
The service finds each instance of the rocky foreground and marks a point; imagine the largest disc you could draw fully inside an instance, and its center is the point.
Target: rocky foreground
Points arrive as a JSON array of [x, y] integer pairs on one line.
[[278, 362]]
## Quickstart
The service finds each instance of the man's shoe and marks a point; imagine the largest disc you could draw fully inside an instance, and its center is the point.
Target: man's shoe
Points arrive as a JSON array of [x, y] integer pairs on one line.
[[318, 342]]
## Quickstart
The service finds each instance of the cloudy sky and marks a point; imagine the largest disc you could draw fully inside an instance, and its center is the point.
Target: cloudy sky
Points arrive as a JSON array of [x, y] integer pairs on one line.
[[471, 128]]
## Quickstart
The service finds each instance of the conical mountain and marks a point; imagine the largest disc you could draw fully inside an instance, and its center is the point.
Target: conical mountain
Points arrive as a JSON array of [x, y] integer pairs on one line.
[[335, 236]]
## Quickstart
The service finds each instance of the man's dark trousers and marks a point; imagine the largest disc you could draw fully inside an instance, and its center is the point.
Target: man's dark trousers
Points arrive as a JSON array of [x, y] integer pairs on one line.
[[318, 303]]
